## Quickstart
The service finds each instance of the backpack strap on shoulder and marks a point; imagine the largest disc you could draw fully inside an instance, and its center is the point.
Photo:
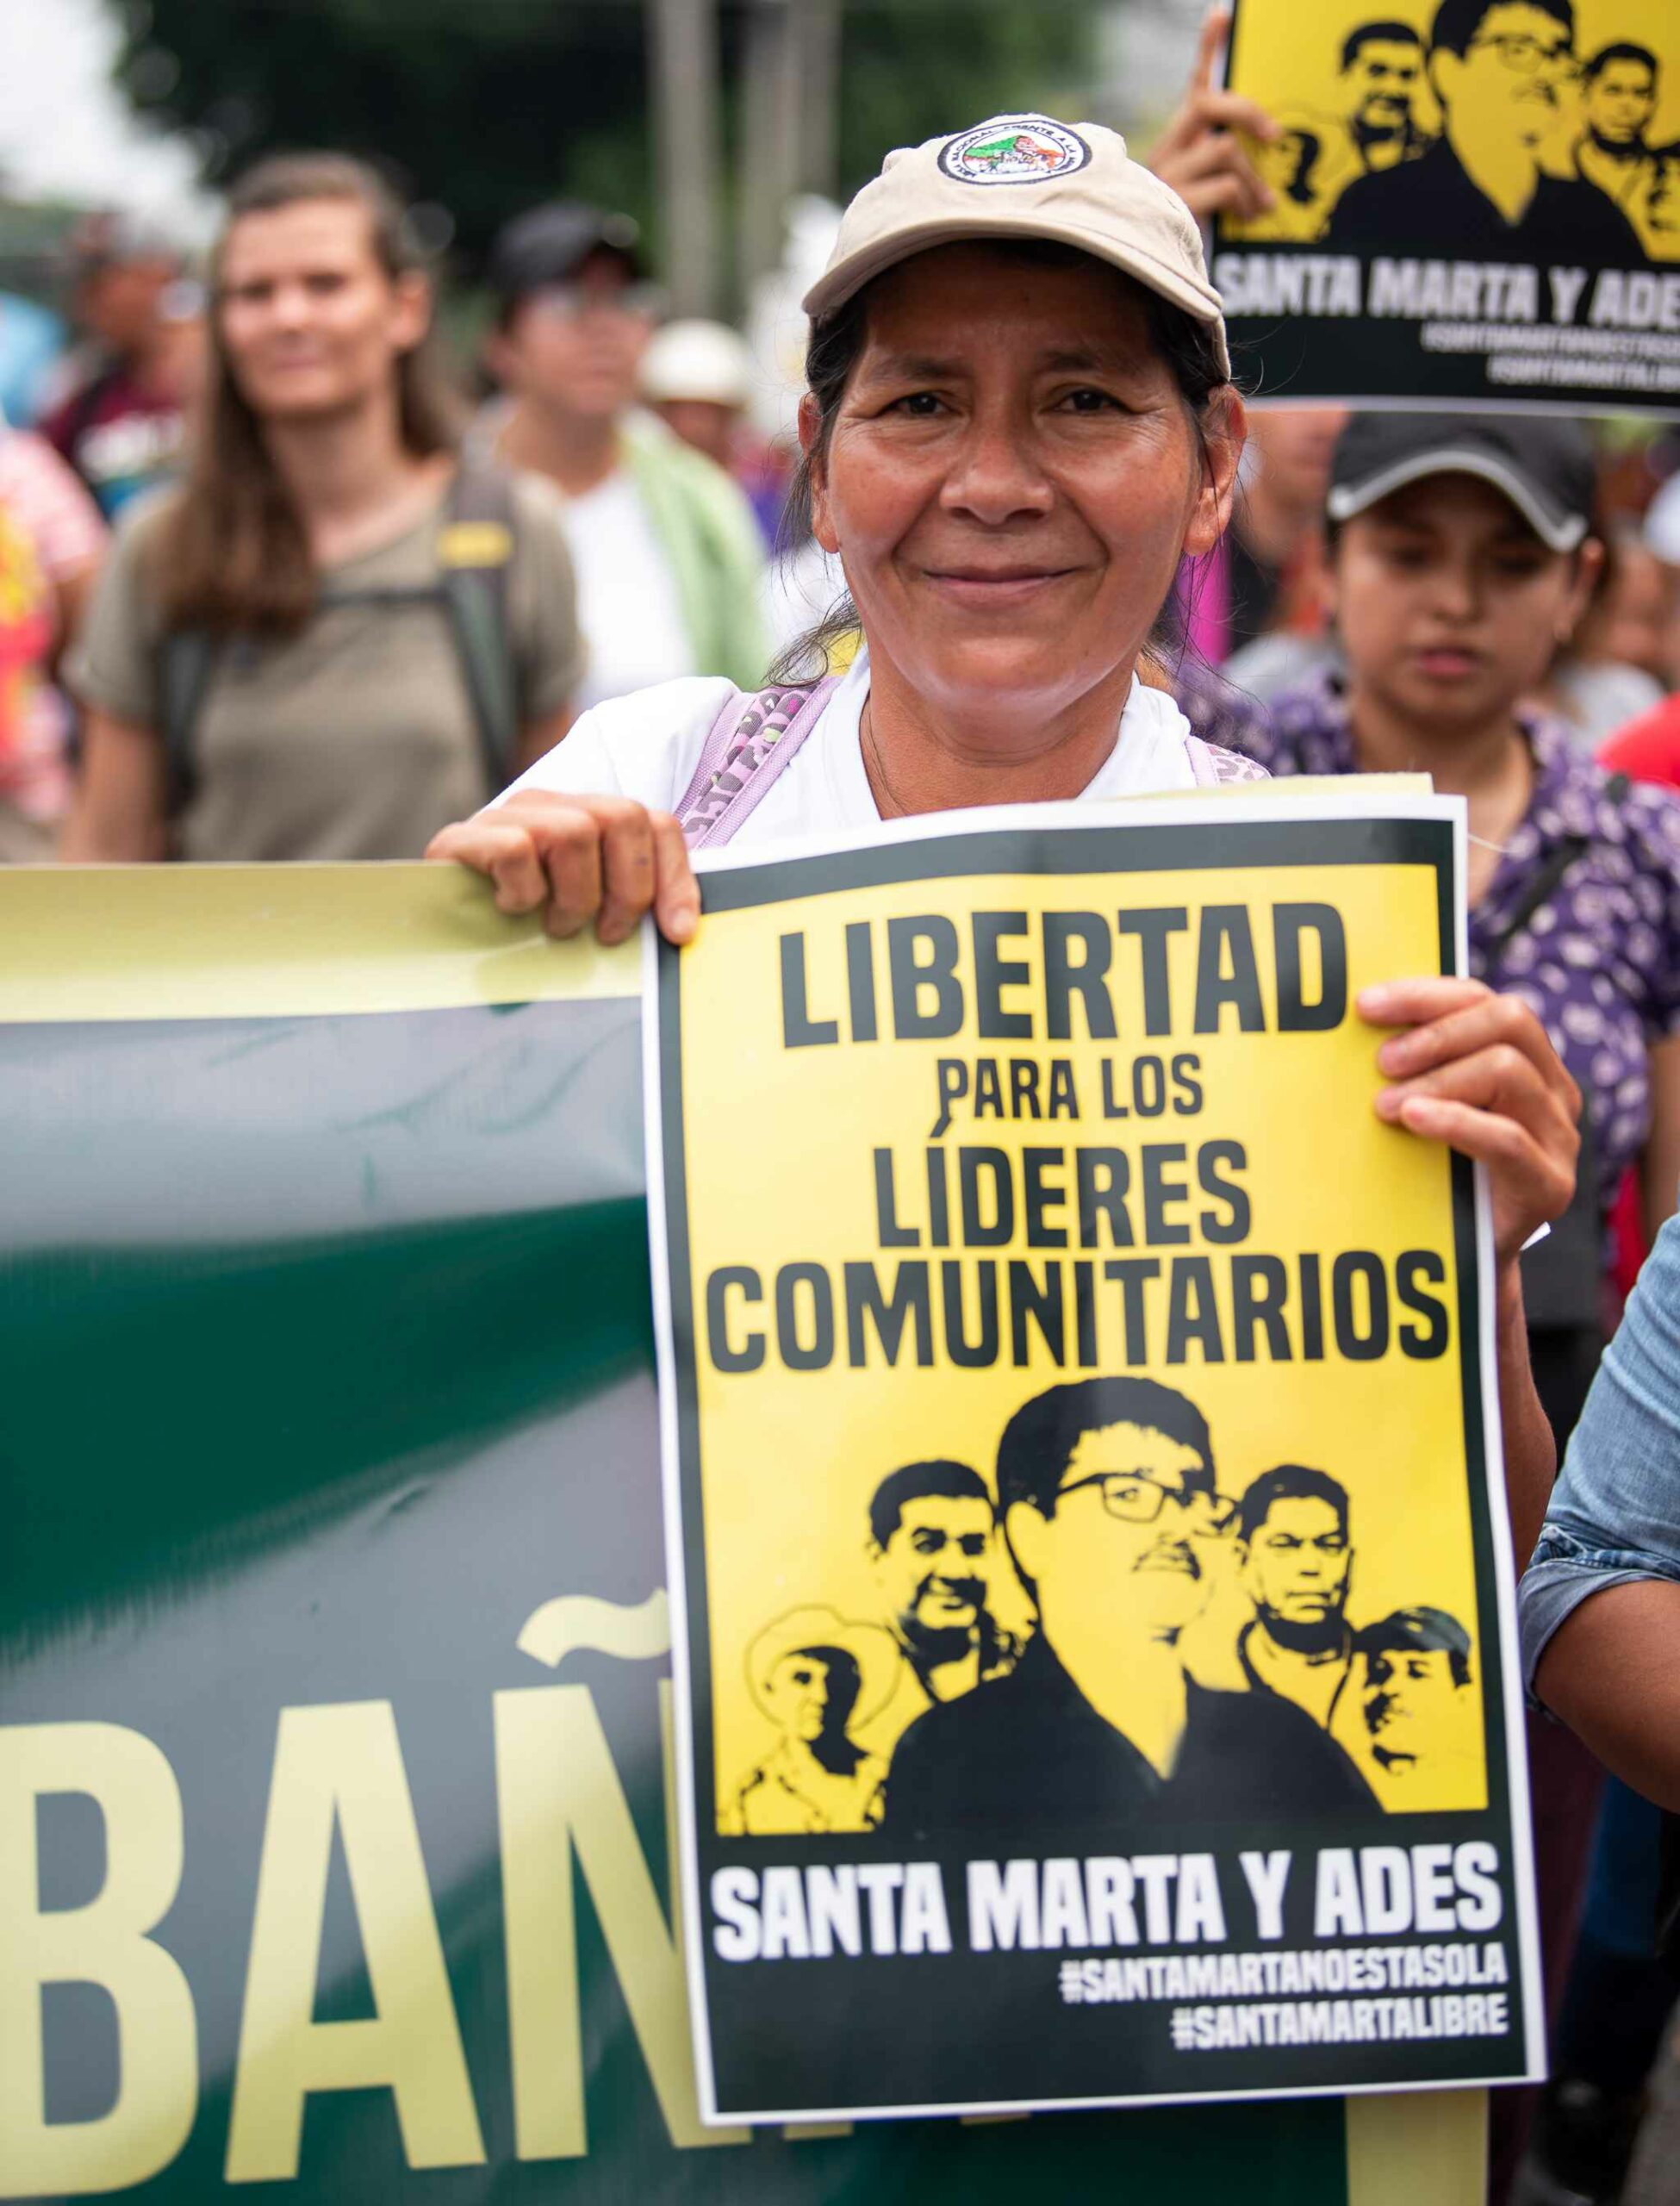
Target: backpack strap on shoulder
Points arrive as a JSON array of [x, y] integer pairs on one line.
[[475, 549], [186, 662], [752, 741], [1213, 766]]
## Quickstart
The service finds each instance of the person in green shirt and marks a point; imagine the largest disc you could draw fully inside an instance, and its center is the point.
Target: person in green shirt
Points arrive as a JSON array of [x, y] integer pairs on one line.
[[667, 553]]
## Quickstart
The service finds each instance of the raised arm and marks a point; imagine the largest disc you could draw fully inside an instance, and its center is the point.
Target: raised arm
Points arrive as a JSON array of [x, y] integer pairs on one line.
[[1200, 153]]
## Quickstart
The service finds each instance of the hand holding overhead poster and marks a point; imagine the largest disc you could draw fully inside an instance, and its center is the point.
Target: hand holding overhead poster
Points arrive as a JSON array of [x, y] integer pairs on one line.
[[1477, 201], [1094, 1677]]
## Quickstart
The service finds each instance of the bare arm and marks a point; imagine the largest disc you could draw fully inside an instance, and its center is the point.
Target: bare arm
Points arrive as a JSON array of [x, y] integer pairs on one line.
[[72, 593], [119, 815], [1659, 1168], [1612, 1671], [1531, 1452]]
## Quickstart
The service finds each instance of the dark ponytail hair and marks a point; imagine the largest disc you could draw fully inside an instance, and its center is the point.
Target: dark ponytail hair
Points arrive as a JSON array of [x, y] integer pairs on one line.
[[835, 344]]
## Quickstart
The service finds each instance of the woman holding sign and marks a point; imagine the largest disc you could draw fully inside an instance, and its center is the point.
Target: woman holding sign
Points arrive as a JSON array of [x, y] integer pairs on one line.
[[1020, 419]]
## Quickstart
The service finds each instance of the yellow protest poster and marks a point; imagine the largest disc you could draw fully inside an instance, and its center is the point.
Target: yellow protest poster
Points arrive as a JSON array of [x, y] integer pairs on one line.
[[1090, 1587], [1476, 201]]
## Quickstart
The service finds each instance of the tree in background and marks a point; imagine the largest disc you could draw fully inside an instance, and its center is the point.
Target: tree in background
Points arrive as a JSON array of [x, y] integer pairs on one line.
[[909, 69], [487, 106]]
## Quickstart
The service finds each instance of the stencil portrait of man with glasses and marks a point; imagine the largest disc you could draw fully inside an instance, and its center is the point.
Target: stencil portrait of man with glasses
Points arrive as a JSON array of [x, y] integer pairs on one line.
[[1506, 78], [1112, 1513]]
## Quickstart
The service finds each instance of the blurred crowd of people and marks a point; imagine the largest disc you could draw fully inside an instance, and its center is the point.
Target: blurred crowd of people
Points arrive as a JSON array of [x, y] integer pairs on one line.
[[331, 612], [272, 588], [337, 605]]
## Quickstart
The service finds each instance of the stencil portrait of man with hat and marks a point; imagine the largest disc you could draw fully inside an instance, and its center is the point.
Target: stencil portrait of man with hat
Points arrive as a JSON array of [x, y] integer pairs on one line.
[[817, 1678]]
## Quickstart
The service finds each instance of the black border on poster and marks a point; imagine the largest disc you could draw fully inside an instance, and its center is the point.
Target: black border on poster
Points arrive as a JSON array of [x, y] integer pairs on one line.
[[1307, 359], [1118, 849]]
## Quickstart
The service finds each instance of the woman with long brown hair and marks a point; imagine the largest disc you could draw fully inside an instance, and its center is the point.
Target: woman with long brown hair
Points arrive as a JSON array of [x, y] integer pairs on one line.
[[333, 638]]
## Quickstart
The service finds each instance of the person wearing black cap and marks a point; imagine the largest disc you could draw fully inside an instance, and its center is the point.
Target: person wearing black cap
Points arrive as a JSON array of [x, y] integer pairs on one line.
[[1462, 556], [1498, 69], [664, 545]]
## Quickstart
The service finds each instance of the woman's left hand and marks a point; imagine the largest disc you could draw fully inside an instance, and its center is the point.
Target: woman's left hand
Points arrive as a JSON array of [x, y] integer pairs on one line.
[[1477, 1071], [1200, 153]]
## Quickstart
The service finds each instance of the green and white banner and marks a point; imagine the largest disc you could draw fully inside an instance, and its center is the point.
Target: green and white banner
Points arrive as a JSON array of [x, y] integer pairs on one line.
[[335, 1828]]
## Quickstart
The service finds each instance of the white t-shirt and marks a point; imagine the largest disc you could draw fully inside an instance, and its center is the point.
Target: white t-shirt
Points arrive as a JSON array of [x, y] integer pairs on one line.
[[627, 606], [647, 747]]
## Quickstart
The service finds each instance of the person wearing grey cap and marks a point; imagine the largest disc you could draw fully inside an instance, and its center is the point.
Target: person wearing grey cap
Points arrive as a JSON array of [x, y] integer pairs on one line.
[[664, 545], [698, 376], [122, 424], [1020, 420]]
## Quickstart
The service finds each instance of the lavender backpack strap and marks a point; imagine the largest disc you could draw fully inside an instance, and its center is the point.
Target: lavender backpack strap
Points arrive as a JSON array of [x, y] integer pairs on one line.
[[1213, 766], [750, 742]]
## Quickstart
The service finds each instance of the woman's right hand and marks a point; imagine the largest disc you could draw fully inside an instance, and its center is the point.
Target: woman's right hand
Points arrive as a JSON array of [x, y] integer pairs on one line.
[[580, 858]]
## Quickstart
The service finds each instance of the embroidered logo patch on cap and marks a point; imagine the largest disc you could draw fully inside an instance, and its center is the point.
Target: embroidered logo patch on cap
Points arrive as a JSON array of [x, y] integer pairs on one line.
[[1014, 149]]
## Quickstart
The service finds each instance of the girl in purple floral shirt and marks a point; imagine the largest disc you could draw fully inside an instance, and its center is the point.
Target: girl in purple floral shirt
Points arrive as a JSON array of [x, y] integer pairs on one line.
[[1460, 558]]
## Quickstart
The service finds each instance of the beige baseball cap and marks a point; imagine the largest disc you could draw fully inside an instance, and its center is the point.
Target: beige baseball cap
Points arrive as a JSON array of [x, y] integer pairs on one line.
[[1025, 175]]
